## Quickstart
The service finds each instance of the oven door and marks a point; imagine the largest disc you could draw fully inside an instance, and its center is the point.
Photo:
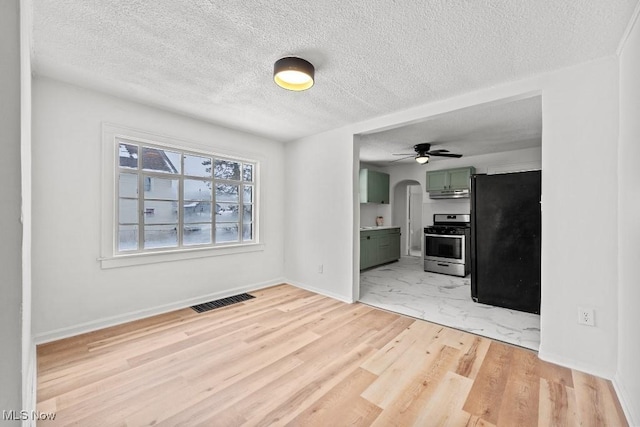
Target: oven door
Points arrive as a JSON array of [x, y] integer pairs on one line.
[[446, 248]]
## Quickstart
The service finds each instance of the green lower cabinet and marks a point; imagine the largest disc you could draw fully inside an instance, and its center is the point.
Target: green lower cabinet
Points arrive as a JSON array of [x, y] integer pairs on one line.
[[368, 250], [394, 245], [379, 247]]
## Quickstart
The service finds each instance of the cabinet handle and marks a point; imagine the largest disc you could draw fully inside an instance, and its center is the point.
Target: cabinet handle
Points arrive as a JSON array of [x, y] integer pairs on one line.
[[368, 237]]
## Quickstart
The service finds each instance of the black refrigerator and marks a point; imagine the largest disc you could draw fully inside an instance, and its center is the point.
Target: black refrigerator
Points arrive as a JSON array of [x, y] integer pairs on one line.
[[505, 240]]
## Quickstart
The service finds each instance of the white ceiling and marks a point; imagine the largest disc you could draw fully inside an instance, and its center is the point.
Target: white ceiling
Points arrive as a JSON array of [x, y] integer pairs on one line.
[[213, 59], [481, 129]]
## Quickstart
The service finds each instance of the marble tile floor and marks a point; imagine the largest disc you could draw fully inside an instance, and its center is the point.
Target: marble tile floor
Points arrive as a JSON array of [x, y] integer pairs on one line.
[[404, 287]]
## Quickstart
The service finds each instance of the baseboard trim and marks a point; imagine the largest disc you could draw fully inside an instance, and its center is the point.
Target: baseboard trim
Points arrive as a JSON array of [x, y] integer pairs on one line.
[[106, 322], [320, 291], [630, 412], [573, 364]]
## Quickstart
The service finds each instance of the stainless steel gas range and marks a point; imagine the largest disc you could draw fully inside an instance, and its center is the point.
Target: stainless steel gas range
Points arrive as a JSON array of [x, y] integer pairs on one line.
[[446, 245]]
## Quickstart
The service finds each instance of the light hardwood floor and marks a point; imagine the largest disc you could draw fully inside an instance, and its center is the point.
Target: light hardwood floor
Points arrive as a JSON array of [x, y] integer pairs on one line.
[[291, 357]]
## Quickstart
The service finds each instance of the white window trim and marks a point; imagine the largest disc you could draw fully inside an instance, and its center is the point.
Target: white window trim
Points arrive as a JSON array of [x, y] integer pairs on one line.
[[109, 257]]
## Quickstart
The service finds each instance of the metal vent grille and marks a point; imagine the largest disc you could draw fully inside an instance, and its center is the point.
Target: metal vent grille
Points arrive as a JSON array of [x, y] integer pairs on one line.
[[223, 302]]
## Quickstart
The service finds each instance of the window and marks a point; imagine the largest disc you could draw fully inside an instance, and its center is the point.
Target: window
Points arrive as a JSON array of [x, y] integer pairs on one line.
[[173, 199]]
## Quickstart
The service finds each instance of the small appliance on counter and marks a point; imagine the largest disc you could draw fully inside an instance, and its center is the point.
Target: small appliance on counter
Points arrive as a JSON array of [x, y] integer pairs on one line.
[[446, 245]]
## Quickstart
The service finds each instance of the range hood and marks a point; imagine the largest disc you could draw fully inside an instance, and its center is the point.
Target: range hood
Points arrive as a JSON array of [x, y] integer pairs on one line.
[[449, 194]]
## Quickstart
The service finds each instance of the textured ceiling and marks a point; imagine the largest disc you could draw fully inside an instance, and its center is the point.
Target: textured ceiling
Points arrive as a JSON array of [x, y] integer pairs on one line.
[[481, 129], [214, 59]]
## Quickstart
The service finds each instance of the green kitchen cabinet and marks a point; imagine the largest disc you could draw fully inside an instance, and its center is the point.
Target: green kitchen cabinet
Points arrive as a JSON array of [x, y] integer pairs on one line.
[[450, 179], [394, 244], [379, 246], [374, 187], [437, 180], [368, 250]]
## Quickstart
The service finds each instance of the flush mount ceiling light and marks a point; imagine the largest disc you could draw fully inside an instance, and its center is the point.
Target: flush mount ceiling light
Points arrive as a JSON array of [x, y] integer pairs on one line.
[[293, 73], [422, 158]]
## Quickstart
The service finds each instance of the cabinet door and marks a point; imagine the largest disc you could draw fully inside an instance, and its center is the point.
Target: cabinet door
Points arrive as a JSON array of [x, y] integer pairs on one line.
[[459, 178], [374, 187], [384, 189], [394, 245], [368, 250], [378, 191], [437, 180], [383, 247]]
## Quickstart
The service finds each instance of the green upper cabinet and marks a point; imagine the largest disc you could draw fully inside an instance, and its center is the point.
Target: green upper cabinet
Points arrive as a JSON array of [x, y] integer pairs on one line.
[[437, 180], [450, 179], [374, 187]]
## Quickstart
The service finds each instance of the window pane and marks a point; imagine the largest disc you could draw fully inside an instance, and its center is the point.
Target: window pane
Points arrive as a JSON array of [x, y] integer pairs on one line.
[[127, 238], [226, 233], [128, 211], [160, 188], [226, 193], [247, 172], [160, 236], [197, 166], [247, 192], [247, 232], [197, 212], [197, 234], [247, 215], [155, 159], [160, 212], [227, 212], [226, 169], [128, 156], [197, 189], [128, 185]]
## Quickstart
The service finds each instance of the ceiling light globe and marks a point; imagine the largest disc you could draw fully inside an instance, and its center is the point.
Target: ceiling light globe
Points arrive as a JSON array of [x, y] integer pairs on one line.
[[293, 73], [422, 159]]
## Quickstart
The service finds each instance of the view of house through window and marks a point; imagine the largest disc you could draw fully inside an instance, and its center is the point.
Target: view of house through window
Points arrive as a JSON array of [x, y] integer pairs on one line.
[[170, 198]]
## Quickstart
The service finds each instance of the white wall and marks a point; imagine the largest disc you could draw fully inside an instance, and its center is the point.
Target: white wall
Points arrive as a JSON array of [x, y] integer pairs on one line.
[[579, 249], [320, 213], [579, 161], [627, 380], [71, 292], [11, 229]]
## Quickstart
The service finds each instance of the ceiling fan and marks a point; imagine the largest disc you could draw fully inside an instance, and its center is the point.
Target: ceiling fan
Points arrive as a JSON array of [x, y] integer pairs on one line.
[[423, 153]]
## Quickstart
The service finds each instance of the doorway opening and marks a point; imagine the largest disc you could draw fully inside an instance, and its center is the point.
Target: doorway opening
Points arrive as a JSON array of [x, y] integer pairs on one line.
[[407, 213], [414, 221]]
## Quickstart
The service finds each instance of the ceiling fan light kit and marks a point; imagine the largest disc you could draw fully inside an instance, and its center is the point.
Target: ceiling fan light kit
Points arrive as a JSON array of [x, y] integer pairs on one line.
[[293, 73], [422, 159]]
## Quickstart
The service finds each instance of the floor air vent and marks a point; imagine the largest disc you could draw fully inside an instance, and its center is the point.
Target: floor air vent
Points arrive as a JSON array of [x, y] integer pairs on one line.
[[223, 302]]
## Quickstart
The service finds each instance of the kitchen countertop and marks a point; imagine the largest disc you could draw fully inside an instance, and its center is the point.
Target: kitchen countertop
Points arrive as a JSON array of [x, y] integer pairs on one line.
[[382, 227]]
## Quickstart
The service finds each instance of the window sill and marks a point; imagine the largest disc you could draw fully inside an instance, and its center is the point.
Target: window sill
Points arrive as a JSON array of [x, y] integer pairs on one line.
[[129, 260]]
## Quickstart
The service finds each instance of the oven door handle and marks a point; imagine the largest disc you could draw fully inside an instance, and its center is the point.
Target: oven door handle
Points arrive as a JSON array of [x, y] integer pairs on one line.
[[454, 236]]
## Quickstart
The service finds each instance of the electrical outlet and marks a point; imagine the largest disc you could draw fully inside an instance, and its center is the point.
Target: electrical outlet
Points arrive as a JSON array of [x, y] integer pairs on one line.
[[586, 316], [320, 268]]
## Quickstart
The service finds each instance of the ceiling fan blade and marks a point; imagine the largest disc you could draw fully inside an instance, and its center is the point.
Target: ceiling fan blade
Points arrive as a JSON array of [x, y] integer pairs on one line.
[[404, 154], [397, 160], [457, 156], [437, 151]]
